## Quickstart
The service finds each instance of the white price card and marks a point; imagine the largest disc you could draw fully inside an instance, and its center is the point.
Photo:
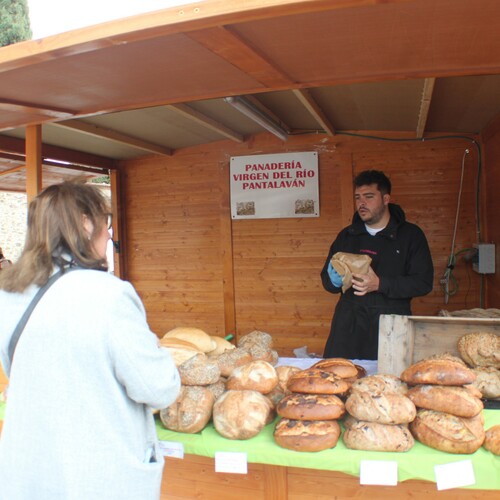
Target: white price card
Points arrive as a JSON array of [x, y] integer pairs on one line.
[[229, 461], [172, 449], [378, 472], [454, 475]]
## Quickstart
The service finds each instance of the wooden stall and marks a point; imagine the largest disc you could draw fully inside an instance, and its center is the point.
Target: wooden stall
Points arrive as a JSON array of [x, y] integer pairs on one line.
[[193, 265]]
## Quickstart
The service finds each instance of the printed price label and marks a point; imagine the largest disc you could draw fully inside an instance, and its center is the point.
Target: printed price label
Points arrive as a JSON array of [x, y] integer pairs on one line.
[[233, 462], [454, 475], [378, 472], [172, 449]]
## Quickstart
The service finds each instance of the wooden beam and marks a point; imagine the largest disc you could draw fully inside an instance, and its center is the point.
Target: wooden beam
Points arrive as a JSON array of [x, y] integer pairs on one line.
[[231, 47], [206, 121], [17, 146], [12, 170], [33, 109], [425, 104], [33, 161], [113, 135], [312, 106]]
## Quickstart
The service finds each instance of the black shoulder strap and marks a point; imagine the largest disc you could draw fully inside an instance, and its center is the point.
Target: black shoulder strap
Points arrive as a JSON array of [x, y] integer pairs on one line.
[[24, 319]]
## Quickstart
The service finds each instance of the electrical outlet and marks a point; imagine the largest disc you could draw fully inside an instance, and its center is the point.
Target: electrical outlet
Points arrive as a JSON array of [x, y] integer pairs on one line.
[[484, 261]]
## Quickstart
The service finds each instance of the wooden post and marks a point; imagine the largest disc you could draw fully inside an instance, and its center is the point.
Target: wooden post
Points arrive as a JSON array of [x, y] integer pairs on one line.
[[118, 223], [33, 161]]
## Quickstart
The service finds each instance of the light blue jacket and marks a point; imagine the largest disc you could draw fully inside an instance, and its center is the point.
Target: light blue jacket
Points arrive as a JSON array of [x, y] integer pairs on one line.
[[87, 371]]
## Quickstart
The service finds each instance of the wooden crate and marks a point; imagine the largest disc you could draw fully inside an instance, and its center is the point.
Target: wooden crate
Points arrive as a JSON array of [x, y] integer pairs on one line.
[[403, 340]]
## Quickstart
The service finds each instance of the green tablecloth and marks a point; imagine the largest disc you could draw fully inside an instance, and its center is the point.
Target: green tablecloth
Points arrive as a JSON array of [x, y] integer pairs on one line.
[[418, 463]]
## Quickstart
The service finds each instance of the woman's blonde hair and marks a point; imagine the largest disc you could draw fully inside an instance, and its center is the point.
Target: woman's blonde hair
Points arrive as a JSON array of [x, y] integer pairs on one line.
[[56, 233]]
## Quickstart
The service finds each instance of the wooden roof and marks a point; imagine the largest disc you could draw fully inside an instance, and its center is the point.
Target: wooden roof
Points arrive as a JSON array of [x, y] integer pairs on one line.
[[155, 83]]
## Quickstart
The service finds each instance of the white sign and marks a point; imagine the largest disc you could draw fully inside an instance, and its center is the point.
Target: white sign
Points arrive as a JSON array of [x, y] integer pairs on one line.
[[378, 472], [172, 449], [454, 475], [274, 186], [229, 461]]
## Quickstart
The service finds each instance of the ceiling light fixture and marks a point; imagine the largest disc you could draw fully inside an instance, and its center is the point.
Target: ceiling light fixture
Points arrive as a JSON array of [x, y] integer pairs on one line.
[[258, 116]]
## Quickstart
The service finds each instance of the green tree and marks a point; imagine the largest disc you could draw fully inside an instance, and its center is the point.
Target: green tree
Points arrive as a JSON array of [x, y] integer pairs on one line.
[[14, 22]]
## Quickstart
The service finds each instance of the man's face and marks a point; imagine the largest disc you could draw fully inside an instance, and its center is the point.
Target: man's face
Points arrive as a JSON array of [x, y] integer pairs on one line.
[[371, 205]]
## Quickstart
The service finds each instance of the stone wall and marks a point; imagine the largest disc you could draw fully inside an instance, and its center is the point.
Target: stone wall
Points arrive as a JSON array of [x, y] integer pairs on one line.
[[13, 213]]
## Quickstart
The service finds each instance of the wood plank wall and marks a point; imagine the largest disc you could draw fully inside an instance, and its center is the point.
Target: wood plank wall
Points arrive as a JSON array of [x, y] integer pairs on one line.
[[193, 266], [491, 138]]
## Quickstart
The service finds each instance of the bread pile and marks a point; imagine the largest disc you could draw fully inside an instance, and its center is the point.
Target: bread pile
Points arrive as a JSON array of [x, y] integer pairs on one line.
[[449, 414], [311, 411], [221, 381], [481, 352], [379, 413]]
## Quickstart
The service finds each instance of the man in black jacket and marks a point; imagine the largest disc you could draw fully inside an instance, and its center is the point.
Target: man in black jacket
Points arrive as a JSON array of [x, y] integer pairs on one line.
[[401, 268]]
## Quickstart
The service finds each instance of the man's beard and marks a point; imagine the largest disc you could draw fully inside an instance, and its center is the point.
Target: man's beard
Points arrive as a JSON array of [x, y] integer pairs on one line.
[[374, 217]]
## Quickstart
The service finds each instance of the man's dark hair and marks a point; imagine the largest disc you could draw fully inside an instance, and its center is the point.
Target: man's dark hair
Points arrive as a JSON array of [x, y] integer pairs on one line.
[[377, 177]]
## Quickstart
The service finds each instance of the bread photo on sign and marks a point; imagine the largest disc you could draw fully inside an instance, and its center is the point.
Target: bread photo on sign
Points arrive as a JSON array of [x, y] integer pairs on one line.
[[347, 264]]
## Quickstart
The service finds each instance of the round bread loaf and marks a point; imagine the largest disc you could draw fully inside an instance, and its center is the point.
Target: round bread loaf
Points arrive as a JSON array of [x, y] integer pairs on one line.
[[262, 352], [384, 408], [380, 383], [311, 407], [480, 349], [487, 381], [196, 336], [344, 368], [179, 349], [317, 382], [458, 401], [284, 372], [256, 337], [231, 359], [218, 388], [307, 435], [374, 436], [190, 412], [199, 370], [446, 432], [241, 414], [492, 439], [439, 372], [254, 376], [221, 345]]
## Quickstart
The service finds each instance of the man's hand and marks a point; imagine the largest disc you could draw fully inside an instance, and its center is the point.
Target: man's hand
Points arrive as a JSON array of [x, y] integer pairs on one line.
[[365, 283]]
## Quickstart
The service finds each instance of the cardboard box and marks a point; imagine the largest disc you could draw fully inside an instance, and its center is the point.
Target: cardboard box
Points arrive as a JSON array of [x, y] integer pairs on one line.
[[403, 340]]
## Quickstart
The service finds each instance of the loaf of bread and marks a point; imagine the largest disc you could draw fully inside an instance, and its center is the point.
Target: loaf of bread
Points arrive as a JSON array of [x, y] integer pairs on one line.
[[221, 345], [448, 433], [254, 376], [241, 414], [439, 372], [344, 368], [347, 264], [199, 370], [311, 407], [374, 436], [458, 401], [195, 336], [231, 359], [317, 382], [284, 373], [256, 338], [179, 349], [218, 388], [487, 381], [190, 412], [384, 408], [480, 349], [492, 439], [380, 383], [307, 435]]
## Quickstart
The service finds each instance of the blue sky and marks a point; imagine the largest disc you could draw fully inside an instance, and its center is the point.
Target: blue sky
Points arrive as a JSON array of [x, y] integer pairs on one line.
[[49, 17]]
